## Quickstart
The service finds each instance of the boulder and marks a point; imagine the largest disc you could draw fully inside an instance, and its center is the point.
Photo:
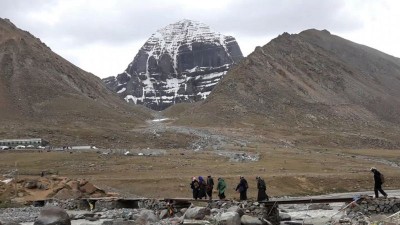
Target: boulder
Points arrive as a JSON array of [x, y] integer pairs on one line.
[[53, 216], [163, 214], [66, 194], [249, 220], [146, 217], [31, 184], [229, 218], [237, 209], [195, 222], [118, 222], [197, 213], [73, 184], [88, 188], [284, 217]]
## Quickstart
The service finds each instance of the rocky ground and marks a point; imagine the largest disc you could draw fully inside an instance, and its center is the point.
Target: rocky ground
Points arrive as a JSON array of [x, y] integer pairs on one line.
[[156, 212]]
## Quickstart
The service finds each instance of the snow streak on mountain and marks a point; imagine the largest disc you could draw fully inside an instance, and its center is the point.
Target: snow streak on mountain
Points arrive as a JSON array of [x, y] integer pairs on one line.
[[180, 63]]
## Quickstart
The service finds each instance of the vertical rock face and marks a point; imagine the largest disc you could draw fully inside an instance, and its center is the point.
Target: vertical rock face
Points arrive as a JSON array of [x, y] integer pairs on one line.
[[179, 63]]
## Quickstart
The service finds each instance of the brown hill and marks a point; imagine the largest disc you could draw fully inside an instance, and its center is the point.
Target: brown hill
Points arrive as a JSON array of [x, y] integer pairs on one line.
[[44, 95], [312, 80]]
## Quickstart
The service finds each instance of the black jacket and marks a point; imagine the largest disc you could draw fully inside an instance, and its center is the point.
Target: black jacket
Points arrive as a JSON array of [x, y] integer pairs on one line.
[[377, 177]]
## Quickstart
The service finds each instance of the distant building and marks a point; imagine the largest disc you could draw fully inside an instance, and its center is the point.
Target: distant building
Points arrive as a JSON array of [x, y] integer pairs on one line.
[[30, 141]]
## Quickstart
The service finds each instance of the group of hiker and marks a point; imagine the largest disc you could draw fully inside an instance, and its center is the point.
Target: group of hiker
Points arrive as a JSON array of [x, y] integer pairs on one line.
[[204, 188]]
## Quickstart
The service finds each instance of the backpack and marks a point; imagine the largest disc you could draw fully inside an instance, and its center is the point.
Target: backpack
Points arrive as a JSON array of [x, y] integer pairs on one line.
[[382, 178]]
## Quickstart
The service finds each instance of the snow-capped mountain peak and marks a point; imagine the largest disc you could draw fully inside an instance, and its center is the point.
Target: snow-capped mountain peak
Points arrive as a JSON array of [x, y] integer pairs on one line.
[[181, 62]]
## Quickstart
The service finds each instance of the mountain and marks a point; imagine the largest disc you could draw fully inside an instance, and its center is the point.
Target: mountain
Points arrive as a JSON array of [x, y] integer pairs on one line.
[[41, 92], [181, 62], [313, 80]]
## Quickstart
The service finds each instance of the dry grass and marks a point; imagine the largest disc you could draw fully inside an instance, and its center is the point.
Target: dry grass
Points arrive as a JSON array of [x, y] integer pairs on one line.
[[287, 171]]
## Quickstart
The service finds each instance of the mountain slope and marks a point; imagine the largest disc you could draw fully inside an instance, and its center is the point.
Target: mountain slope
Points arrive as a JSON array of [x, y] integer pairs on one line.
[[181, 62], [40, 88], [312, 79]]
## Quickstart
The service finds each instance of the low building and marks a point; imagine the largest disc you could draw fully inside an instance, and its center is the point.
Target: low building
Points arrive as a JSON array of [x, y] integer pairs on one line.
[[29, 141]]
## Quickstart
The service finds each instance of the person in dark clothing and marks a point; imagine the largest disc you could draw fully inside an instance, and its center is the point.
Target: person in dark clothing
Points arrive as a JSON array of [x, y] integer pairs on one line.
[[262, 187], [210, 186], [378, 183], [202, 188], [242, 188], [195, 187]]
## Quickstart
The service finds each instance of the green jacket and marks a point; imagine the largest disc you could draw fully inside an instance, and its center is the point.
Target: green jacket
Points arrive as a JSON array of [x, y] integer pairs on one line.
[[221, 186]]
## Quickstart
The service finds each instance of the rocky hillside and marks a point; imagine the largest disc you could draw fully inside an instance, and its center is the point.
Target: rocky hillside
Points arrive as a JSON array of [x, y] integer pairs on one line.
[[313, 79], [181, 62], [40, 88]]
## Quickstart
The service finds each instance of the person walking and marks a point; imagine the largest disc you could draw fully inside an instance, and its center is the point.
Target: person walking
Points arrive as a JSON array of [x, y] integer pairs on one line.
[[202, 188], [221, 187], [242, 188], [378, 180], [195, 188], [210, 186], [262, 187]]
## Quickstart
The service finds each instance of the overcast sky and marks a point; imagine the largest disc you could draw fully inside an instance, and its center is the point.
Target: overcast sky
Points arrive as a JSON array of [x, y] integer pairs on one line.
[[103, 36]]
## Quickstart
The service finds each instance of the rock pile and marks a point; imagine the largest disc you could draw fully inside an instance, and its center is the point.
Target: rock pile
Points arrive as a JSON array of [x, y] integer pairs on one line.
[[368, 205], [52, 187], [222, 212]]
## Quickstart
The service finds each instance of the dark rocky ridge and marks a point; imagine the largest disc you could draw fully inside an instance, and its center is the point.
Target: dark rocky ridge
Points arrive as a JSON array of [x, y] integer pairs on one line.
[[179, 63]]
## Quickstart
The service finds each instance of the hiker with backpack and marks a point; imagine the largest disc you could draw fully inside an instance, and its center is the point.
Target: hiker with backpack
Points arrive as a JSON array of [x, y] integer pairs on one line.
[[262, 187], [379, 179], [195, 188], [242, 188]]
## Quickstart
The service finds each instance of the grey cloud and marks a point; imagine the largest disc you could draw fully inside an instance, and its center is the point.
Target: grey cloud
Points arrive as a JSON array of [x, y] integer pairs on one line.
[[127, 21], [266, 17]]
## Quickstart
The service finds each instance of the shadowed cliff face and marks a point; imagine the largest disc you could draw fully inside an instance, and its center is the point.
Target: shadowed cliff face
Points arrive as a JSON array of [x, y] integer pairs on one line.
[[179, 63], [311, 79]]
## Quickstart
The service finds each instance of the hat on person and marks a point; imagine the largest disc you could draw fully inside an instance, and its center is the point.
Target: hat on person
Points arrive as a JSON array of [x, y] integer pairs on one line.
[[373, 168]]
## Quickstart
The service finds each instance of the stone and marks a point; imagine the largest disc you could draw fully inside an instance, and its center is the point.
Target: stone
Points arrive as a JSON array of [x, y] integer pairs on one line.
[[53, 216], [249, 220], [31, 184], [229, 218], [237, 209], [284, 217], [119, 222], [163, 214], [195, 222], [88, 188], [146, 217], [66, 194], [73, 184], [197, 213]]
